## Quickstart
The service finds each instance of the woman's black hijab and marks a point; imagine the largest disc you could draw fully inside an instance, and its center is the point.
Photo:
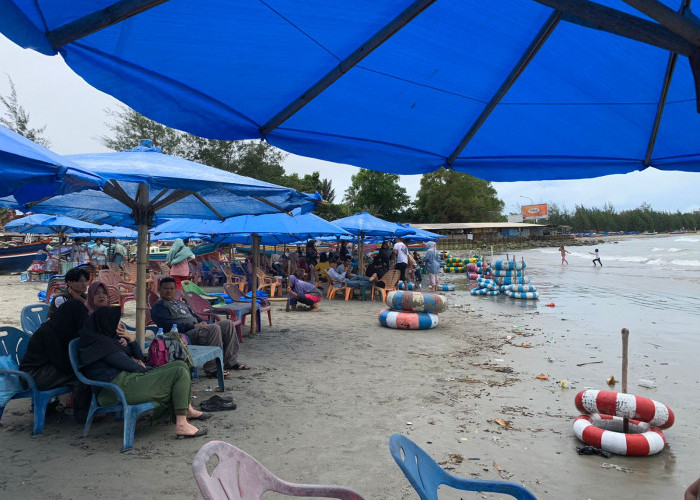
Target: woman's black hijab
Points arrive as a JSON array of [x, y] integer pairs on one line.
[[98, 337]]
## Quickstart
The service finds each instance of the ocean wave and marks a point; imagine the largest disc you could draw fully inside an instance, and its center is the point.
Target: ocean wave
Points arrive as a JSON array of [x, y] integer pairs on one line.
[[674, 249], [657, 249], [687, 238], [686, 263], [654, 262], [633, 258]]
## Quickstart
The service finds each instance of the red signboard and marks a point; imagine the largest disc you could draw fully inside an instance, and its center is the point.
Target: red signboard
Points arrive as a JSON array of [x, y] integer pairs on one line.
[[534, 211]]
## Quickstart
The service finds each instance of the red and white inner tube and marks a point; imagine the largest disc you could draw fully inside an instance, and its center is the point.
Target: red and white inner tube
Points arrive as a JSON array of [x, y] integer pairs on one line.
[[606, 432], [625, 405]]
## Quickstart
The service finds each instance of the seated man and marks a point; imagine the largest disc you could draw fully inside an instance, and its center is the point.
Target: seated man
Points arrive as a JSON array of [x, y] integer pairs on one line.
[[169, 311], [341, 279], [77, 280]]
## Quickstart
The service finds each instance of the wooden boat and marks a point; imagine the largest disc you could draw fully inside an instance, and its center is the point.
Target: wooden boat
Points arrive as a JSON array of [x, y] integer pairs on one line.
[[19, 258]]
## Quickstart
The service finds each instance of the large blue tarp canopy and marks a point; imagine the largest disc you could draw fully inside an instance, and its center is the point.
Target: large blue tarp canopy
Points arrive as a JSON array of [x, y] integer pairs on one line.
[[30, 172], [507, 90]]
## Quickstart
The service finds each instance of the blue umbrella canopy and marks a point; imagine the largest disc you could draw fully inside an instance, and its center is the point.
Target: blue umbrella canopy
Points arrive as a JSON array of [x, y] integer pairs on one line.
[[273, 229], [422, 234], [508, 90], [31, 172], [168, 187], [50, 224], [368, 225]]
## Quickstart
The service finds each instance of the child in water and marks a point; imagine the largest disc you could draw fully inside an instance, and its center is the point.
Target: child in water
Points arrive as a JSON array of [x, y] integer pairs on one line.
[[597, 258], [563, 255]]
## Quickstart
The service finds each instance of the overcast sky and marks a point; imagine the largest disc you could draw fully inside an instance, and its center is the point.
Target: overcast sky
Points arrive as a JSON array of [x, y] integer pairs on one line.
[[74, 115]]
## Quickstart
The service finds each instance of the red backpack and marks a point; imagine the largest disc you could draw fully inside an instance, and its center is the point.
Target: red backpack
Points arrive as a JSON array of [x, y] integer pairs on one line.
[[164, 349]]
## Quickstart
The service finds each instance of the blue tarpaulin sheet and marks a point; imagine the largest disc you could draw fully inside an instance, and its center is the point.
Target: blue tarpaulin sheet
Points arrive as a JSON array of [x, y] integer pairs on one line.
[[585, 105]]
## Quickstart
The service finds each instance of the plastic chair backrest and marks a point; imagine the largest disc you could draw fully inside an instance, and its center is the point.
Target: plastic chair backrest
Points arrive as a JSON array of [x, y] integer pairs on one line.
[[198, 305], [391, 279], [233, 291], [238, 476], [13, 342], [32, 317], [188, 286], [151, 297], [109, 277], [425, 475], [74, 356]]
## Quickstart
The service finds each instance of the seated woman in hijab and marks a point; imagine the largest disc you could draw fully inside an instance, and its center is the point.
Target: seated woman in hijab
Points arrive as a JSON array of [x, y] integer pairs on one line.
[[104, 358]]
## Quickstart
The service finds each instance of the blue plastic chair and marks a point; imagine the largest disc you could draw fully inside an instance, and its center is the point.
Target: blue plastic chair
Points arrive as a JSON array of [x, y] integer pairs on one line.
[[425, 475], [129, 413], [13, 342], [33, 316]]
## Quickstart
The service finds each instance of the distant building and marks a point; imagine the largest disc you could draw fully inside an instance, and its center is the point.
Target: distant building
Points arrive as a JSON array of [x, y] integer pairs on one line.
[[484, 230]]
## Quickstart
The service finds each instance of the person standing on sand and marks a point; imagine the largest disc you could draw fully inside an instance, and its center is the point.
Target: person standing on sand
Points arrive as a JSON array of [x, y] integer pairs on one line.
[[597, 258], [563, 255]]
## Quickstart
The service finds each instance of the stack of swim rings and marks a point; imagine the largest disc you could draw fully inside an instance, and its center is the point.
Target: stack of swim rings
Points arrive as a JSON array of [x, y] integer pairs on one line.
[[412, 310], [455, 265], [602, 424], [485, 286], [510, 276]]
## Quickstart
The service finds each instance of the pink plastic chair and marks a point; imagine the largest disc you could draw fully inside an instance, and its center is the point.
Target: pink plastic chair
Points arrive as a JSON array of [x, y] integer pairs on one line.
[[238, 476]]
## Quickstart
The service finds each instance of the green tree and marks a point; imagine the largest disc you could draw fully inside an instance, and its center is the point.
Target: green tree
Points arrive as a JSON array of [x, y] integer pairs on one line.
[[16, 118], [377, 193], [449, 196], [255, 159]]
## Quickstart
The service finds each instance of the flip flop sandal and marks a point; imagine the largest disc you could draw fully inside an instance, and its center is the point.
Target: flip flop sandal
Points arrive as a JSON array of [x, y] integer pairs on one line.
[[200, 432], [210, 406], [219, 399], [240, 366], [203, 416], [214, 375]]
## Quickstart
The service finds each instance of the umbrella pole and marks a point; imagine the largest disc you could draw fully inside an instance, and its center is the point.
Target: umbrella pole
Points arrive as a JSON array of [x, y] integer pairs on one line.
[[255, 248], [60, 238], [361, 254], [141, 251]]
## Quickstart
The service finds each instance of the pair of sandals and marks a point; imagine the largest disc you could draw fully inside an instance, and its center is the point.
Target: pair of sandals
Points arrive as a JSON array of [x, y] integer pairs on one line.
[[217, 403]]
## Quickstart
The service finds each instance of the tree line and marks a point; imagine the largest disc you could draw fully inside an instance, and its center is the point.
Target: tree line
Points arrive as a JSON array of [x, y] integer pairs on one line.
[[642, 219]]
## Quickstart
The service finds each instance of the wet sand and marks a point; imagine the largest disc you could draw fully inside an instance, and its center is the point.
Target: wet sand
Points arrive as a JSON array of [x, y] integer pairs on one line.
[[327, 390]]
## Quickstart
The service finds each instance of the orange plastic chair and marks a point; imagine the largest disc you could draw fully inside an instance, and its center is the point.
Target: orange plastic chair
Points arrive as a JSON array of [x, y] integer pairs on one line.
[[390, 279], [238, 476]]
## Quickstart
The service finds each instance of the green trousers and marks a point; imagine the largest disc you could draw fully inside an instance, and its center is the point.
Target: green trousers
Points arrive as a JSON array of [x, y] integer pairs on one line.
[[167, 387]]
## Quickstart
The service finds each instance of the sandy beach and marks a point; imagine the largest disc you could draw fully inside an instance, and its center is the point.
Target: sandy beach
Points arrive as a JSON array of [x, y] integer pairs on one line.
[[327, 390]]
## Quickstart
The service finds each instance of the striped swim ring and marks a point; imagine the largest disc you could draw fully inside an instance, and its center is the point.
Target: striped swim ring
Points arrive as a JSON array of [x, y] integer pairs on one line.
[[619, 404], [503, 273], [402, 320], [508, 265], [473, 276], [523, 280], [446, 288], [454, 269], [484, 291], [416, 302], [485, 281], [523, 295], [606, 432], [405, 286], [521, 288]]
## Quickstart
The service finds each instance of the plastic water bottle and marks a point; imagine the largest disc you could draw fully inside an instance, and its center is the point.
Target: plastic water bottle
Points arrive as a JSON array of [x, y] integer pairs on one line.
[[174, 328], [159, 333]]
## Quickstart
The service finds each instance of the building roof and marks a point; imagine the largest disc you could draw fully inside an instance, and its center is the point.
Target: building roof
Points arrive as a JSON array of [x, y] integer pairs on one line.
[[475, 225]]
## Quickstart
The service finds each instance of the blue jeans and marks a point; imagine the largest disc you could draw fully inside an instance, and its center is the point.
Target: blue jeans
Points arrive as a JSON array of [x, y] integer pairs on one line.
[[358, 282]]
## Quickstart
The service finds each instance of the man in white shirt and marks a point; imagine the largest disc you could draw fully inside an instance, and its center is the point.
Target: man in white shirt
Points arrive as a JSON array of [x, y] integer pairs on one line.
[[401, 256]]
